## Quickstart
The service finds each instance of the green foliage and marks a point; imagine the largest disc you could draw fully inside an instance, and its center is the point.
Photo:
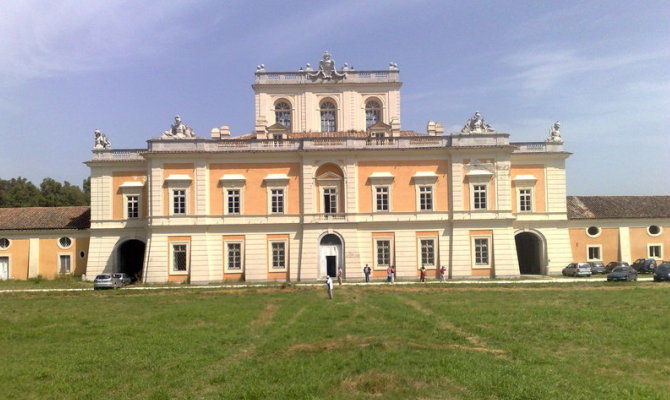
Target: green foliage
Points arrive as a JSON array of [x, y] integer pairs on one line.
[[19, 192], [579, 341]]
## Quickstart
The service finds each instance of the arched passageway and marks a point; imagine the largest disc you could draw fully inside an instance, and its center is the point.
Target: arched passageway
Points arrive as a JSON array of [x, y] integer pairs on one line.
[[131, 258], [530, 253], [331, 256]]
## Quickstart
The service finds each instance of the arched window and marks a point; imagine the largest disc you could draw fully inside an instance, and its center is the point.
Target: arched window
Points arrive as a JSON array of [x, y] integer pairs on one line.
[[328, 117], [283, 114], [373, 112]]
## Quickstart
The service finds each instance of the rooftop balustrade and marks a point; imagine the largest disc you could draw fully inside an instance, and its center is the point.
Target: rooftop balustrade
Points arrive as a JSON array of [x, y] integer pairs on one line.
[[301, 77]]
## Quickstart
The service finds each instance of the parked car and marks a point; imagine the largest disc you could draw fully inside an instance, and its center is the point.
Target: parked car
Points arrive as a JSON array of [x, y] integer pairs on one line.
[[577, 269], [662, 272], [622, 273], [644, 265], [106, 281], [610, 266], [597, 267], [125, 278]]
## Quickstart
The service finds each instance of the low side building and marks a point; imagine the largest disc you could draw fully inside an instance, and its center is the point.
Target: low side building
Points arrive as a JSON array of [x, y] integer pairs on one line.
[[43, 241]]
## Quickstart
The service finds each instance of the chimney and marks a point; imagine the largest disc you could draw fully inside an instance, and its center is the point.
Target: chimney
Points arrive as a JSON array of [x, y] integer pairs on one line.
[[225, 131], [215, 134], [439, 129], [260, 129], [395, 127], [430, 128]]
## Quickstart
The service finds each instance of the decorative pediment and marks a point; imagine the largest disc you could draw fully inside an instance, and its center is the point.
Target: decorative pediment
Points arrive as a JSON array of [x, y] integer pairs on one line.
[[131, 184], [381, 177], [479, 170], [276, 179], [233, 178], [178, 178], [329, 176], [424, 177]]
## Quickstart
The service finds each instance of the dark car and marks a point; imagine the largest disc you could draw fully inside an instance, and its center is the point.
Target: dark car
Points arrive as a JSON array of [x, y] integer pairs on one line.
[[610, 266], [644, 265], [597, 267], [662, 272], [622, 273], [577, 269]]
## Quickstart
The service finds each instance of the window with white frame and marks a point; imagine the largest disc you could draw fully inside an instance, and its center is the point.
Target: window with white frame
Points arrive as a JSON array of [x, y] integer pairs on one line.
[[525, 200], [283, 114], [330, 200], [382, 198], [593, 253], [64, 263], [277, 201], [328, 117], [383, 252], [179, 257], [481, 250], [234, 258], [133, 206], [655, 251], [233, 201], [278, 255], [427, 252], [178, 201], [373, 112], [425, 198], [479, 197]]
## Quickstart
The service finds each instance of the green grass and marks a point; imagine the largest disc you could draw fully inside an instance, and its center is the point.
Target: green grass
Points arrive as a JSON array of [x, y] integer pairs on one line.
[[61, 282], [581, 341]]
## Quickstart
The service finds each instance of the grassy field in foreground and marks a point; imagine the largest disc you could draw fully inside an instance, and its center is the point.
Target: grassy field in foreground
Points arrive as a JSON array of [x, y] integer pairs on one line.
[[412, 342]]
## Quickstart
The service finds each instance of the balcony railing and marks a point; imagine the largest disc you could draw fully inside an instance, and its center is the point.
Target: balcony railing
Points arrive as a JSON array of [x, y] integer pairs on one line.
[[117, 155], [537, 147], [300, 77]]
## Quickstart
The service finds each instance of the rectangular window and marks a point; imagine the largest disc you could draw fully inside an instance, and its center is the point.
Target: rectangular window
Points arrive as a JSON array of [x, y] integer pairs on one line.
[[426, 198], [479, 197], [179, 201], [234, 256], [428, 252], [65, 264], [382, 198], [383, 253], [593, 253], [655, 251], [278, 255], [179, 257], [481, 251], [277, 201], [4, 268], [525, 200], [330, 200], [133, 206], [233, 201]]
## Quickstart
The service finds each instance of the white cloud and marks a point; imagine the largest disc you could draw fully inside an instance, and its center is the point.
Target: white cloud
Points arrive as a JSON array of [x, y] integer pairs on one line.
[[46, 39]]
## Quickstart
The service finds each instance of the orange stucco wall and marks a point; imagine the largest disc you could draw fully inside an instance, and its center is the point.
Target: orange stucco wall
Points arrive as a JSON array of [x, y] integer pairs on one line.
[[403, 189], [255, 193], [608, 239], [50, 254], [539, 198], [118, 178], [178, 169], [490, 194], [640, 239], [18, 253]]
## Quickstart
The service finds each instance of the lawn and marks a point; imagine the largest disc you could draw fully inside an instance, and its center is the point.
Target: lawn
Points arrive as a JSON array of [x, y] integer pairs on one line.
[[563, 341]]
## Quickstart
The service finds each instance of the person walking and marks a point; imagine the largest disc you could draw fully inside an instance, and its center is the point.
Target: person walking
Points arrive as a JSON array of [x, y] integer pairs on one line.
[[367, 270], [339, 276], [422, 275], [329, 287], [393, 274], [443, 271], [389, 274]]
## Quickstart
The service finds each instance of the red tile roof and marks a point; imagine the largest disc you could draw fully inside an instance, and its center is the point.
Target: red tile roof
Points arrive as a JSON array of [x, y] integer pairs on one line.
[[606, 207], [34, 218]]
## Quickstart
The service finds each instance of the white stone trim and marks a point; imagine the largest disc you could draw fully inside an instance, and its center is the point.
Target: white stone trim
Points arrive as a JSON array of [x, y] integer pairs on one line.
[[436, 252], [9, 241], [276, 178], [660, 230], [391, 239], [374, 197], [72, 261], [287, 257], [600, 231], [131, 184], [63, 247], [225, 256], [178, 178], [232, 178], [417, 193], [171, 270], [518, 199], [489, 247], [472, 195], [187, 193], [139, 205], [275, 186], [530, 179], [8, 256]]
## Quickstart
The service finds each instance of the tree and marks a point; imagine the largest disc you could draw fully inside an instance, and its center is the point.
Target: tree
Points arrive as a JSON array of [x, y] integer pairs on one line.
[[19, 192]]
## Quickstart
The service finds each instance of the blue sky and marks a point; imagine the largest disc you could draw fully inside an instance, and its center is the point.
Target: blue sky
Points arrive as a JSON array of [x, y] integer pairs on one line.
[[127, 67]]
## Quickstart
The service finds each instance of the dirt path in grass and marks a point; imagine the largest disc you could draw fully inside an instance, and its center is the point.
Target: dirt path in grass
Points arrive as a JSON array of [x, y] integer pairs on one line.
[[477, 343]]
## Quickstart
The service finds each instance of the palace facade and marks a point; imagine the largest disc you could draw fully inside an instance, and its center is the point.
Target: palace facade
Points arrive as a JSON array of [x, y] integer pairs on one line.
[[329, 179]]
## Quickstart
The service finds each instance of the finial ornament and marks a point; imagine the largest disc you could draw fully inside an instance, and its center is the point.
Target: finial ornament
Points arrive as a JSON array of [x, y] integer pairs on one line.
[[327, 70], [101, 141], [178, 130], [555, 133], [476, 124]]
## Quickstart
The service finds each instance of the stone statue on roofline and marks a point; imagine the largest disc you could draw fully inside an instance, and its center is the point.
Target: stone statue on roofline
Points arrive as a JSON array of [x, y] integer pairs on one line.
[[327, 70], [476, 124], [101, 141], [555, 133], [178, 130]]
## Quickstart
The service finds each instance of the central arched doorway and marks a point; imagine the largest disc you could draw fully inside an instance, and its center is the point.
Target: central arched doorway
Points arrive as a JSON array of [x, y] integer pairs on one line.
[[530, 253], [131, 258], [330, 255]]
